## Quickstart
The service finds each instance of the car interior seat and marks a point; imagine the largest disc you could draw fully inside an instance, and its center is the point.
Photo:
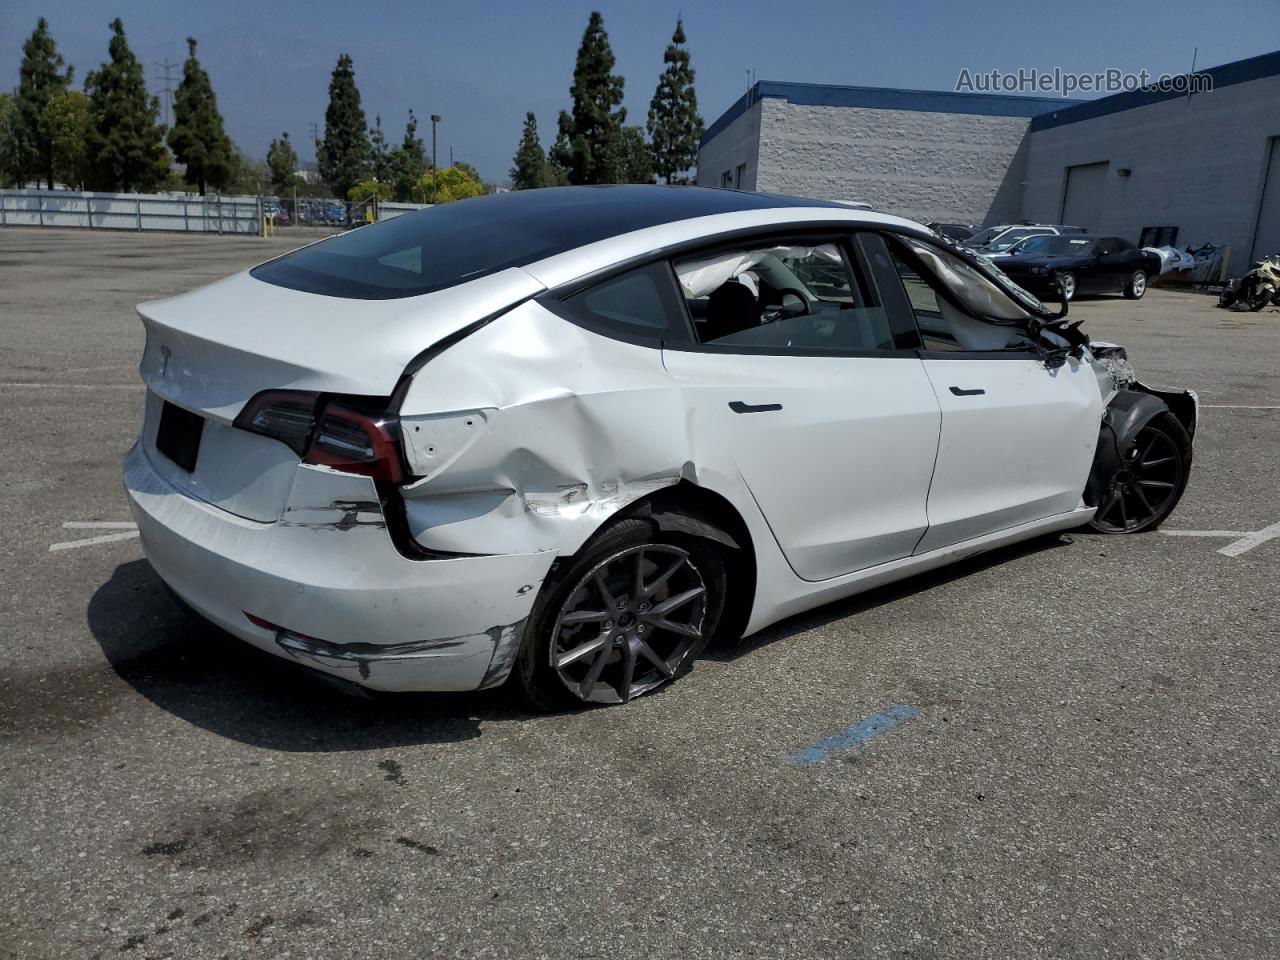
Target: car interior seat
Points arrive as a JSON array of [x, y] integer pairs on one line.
[[730, 309]]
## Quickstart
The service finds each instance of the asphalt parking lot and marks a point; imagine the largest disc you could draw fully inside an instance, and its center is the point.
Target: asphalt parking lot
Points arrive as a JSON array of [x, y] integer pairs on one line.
[[1070, 748]]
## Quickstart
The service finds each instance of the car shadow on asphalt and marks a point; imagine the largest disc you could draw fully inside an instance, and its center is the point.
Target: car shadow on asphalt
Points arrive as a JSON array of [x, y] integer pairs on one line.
[[889, 593], [212, 680], [194, 671]]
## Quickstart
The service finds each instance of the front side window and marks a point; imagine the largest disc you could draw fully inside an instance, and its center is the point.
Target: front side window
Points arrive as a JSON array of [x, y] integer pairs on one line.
[[783, 296], [945, 294]]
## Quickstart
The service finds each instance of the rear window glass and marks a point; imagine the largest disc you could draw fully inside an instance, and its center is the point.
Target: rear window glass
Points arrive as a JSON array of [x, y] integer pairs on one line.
[[450, 244]]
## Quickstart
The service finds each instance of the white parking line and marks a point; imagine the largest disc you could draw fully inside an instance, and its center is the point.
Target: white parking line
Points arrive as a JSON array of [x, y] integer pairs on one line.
[[72, 386], [1244, 540], [1237, 406], [129, 532], [1251, 540], [91, 541]]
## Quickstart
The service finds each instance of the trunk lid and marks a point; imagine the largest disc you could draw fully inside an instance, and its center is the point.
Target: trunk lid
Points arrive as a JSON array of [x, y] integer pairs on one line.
[[211, 350]]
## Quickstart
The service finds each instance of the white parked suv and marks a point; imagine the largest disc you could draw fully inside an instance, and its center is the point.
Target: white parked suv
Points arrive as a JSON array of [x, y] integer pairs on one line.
[[995, 241]]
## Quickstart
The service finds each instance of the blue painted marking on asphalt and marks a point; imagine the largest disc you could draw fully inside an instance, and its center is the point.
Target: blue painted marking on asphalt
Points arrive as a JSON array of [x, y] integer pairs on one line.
[[855, 735]]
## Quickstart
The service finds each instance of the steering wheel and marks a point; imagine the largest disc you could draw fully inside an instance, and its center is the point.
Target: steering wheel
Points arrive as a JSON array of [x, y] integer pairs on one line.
[[776, 313]]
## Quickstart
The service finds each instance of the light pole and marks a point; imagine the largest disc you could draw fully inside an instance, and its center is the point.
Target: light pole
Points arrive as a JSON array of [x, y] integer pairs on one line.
[[435, 118]]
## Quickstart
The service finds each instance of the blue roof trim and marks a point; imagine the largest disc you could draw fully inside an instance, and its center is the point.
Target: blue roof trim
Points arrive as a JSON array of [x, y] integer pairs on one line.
[[1238, 71], [887, 98]]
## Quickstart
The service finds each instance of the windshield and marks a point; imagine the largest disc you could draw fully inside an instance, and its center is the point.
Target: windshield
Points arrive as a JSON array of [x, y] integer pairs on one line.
[[1009, 239], [985, 236], [1055, 247]]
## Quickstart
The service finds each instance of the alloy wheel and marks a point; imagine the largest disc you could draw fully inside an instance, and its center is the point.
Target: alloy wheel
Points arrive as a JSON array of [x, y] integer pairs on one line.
[[629, 623], [1138, 284], [1068, 284], [1147, 482]]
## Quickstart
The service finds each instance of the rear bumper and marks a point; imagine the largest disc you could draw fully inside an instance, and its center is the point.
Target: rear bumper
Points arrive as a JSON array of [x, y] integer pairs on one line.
[[347, 602]]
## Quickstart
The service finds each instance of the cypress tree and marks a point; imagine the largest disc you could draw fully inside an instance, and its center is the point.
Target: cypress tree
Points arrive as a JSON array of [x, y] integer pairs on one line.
[[40, 79], [198, 138], [598, 116], [379, 156], [633, 159], [344, 152], [675, 125], [529, 171], [282, 161], [126, 140], [407, 163]]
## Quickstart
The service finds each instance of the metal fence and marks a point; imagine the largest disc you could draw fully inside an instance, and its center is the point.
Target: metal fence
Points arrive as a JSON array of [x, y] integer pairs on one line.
[[182, 213]]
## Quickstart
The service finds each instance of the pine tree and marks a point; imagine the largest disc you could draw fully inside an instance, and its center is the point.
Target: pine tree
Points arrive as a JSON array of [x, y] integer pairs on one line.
[[126, 140], [598, 116], [675, 127], [530, 169], [560, 156], [379, 156], [408, 161], [344, 152], [39, 80], [633, 158], [282, 161], [198, 138]]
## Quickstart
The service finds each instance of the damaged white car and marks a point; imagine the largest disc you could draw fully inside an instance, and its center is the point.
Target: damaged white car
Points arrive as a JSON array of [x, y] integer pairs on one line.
[[569, 436]]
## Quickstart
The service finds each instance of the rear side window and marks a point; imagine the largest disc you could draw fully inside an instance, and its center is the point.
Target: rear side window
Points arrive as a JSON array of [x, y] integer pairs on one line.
[[638, 305]]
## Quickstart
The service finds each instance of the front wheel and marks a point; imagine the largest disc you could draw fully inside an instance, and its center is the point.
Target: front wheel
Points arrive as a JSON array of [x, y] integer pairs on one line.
[[629, 614], [1067, 287], [1153, 472], [1136, 286]]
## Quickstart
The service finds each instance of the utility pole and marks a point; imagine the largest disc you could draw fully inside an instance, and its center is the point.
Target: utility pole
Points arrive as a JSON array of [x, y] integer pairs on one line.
[[167, 89], [435, 118]]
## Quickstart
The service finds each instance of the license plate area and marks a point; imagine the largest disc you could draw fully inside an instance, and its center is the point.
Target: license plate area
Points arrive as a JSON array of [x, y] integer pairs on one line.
[[178, 436]]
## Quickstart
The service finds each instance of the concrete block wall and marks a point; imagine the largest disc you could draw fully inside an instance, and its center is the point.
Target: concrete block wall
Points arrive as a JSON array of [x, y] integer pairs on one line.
[[952, 167], [736, 144], [1197, 163]]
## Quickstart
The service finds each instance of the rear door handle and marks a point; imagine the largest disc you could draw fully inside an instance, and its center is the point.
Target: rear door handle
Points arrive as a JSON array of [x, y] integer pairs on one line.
[[960, 392], [737, 406]]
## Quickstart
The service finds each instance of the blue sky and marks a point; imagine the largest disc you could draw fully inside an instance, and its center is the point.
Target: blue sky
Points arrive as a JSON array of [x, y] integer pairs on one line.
[[481, 65]]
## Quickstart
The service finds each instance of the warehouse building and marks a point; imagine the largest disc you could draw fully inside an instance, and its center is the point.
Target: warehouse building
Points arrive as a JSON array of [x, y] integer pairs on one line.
[[1206, 164]]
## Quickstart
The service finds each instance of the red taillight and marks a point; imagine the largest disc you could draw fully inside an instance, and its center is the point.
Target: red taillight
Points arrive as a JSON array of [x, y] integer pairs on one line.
[[355, 442], [335, 434], [284, 415]]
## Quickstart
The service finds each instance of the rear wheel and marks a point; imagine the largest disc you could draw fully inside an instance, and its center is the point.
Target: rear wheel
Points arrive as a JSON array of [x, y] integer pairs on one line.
[[1153, 473], [1137, 285], [629, 614]]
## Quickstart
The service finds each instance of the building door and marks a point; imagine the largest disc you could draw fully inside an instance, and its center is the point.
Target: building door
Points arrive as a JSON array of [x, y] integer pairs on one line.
[[1266, 240], [1082, 198]]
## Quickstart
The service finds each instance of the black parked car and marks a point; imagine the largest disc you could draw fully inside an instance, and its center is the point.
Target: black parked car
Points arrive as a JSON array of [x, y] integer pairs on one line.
[[1081, 264]]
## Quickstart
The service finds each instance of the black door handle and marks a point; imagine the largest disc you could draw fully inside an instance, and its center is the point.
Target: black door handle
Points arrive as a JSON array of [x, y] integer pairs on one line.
[[737, 406], [967, 393]]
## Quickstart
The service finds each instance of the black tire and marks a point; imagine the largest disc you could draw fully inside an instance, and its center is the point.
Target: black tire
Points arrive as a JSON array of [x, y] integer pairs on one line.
[[612, 552], [1136, 286], [1068, 286], [1156, 461]]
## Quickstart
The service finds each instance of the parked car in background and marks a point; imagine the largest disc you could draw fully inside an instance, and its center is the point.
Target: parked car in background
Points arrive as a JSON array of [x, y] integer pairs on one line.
[[958, 232], [1000, 238], [570, 435], [1081, 264]]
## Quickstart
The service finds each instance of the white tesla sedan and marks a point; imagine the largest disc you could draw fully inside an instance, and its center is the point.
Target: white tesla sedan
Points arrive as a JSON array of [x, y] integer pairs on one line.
[[569, 435]]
